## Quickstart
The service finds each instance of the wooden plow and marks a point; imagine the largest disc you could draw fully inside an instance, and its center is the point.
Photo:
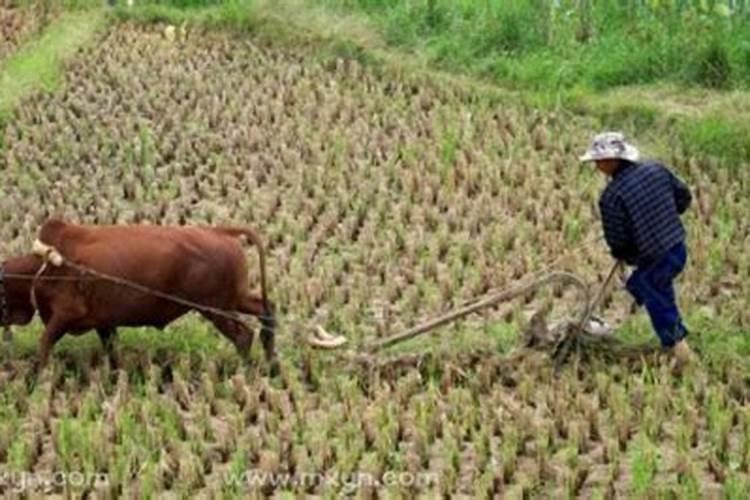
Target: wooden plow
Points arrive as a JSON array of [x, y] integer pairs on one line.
[[561, 338]]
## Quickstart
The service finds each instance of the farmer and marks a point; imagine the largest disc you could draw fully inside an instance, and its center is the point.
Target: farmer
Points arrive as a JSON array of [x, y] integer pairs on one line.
[[640, 211]]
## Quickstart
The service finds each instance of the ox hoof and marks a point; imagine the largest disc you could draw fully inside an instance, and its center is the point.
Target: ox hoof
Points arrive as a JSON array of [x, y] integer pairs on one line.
[[274, 368], [37, 371]]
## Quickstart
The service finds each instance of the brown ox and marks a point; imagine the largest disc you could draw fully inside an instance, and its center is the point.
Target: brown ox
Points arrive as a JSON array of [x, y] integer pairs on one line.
[[202, 265]]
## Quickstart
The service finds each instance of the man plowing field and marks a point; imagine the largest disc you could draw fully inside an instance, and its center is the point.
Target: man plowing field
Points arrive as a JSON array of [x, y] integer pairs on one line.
[[640, 210]]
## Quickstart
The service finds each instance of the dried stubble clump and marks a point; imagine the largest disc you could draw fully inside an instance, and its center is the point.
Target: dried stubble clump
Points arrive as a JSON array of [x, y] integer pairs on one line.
[[18, 25]]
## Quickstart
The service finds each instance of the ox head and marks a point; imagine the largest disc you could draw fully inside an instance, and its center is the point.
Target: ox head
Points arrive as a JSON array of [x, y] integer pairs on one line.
[[15, 290]]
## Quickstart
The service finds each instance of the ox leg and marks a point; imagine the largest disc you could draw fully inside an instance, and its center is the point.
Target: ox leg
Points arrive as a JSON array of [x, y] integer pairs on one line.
[[53, 332], [267, 337], [240, 334], [107, 336], [254, 305]]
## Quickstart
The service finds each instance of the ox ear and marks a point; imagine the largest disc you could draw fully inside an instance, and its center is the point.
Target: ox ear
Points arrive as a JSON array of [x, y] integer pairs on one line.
[[51, 230]]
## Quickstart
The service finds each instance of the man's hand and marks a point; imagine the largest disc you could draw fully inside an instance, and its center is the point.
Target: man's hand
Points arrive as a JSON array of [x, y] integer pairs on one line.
[[623, 272]]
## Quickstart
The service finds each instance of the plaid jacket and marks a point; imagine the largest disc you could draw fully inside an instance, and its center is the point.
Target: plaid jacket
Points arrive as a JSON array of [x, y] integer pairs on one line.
[[640, 210]]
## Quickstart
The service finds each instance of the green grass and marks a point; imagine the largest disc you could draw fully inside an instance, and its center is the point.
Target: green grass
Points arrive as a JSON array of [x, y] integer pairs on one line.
[[534, 44], [39, 64], [720, 136], [703, 122]]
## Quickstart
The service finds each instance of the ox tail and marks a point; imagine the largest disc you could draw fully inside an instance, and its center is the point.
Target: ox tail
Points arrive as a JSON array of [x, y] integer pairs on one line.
[[253, 238]]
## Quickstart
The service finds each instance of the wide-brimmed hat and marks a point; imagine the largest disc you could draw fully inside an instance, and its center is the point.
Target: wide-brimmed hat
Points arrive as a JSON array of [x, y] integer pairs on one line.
[[611, 146]]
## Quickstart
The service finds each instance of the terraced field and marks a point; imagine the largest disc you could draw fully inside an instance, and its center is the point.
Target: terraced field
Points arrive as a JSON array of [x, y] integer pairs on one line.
[[384, 198]]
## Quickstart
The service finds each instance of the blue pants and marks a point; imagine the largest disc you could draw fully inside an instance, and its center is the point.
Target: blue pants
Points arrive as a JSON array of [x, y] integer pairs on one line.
[[652, 285]]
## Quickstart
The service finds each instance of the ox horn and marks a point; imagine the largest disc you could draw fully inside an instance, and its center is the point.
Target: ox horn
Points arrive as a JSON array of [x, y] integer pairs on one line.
[[324, 340]]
